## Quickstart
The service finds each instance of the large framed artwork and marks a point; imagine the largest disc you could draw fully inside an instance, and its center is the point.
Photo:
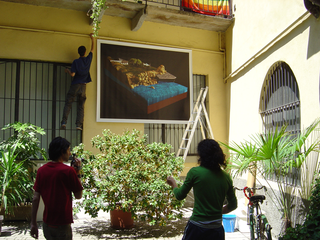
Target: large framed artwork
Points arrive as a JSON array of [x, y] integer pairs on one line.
[[142, 83]]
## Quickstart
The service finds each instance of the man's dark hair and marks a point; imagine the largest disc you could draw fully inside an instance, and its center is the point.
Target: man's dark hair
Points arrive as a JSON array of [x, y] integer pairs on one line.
[[211, 155], [82, 51], [57, 147]]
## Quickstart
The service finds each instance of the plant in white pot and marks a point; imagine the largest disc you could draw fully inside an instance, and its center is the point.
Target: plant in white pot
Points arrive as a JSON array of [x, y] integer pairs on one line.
[[130, 175]]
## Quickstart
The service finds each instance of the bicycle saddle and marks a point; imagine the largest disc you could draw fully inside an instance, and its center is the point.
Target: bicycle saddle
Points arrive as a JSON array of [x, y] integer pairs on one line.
[[257, 198]]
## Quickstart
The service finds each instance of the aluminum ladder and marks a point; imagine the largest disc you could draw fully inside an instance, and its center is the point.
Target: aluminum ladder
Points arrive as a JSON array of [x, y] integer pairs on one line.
[[195, 117]]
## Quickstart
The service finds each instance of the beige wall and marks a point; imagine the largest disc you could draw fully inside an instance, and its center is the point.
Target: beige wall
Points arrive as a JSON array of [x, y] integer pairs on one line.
[[264, 33], [261, 21], [51, 34]]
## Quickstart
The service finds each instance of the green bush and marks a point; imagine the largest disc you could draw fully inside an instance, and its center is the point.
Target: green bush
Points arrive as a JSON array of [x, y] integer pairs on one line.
[[130, 175], [25, 139], [310, 229]]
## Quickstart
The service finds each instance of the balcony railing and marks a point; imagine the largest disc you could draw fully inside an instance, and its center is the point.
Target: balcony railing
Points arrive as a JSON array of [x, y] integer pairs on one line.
[[222, 8]]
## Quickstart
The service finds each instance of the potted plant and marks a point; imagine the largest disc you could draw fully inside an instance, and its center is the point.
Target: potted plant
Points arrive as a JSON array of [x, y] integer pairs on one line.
[[129, 175], [16, 169]]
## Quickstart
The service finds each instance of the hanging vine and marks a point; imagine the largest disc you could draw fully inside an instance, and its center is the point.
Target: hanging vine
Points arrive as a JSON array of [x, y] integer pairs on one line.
[[96, 7]]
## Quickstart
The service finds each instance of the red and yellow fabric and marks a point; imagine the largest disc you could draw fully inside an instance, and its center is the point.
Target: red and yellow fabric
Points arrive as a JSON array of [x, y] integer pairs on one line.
[[211, 7]]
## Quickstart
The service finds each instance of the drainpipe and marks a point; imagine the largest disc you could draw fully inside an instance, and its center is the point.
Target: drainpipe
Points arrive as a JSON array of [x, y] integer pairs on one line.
[[224, 55]]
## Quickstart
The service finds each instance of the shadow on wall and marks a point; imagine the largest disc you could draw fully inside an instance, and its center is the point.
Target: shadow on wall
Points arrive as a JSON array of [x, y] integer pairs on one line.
[[313, 44], [314, 36]]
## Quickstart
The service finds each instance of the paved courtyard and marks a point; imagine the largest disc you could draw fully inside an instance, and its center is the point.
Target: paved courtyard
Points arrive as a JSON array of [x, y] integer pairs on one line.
[[85, 227]]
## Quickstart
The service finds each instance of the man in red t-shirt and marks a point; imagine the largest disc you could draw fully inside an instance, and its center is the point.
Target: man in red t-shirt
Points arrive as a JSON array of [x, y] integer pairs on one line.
[[55, 183]]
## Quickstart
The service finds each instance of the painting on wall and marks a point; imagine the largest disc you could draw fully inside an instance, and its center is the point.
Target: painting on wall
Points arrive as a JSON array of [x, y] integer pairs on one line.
[[142, 83]]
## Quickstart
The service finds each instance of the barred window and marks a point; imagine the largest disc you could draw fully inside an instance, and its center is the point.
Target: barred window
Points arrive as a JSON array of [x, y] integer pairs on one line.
[[280, 105], [34, 92], [172, 133]]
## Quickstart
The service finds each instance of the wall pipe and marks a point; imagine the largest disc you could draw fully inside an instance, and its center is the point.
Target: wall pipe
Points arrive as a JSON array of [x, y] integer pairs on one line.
[[105, 38], [224, 56]]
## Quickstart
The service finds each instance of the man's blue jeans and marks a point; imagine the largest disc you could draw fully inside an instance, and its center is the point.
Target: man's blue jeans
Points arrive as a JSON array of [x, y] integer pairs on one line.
[[76, 91], [194, 232]]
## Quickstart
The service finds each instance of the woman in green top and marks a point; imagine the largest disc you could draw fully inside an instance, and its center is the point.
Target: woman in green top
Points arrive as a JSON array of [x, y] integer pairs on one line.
[[211, 186]]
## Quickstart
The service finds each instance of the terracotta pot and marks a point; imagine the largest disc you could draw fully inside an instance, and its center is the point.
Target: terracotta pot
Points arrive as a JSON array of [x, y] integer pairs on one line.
[[121, 219]]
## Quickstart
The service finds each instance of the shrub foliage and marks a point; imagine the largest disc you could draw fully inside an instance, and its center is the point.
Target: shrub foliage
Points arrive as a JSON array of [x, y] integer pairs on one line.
[[310, 229], [130, 175]]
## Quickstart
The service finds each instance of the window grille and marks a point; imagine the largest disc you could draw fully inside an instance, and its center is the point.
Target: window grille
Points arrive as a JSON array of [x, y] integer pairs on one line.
[[34, 92], [280, 105], [172, 133]]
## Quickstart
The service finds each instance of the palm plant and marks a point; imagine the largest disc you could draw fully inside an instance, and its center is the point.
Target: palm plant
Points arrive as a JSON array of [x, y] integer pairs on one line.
[[278, 153], [309, 171], [14, 178], [16, 168]]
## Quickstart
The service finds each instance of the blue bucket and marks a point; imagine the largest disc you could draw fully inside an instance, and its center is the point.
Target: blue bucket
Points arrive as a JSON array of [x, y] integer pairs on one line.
[[229, 221]]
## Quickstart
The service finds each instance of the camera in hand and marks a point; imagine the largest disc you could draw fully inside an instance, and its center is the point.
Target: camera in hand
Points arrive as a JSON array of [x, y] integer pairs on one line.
[[73, 164], [73, 161]]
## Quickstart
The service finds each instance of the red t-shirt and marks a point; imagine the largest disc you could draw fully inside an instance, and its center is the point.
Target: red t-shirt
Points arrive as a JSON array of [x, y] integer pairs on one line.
[[55, 181]]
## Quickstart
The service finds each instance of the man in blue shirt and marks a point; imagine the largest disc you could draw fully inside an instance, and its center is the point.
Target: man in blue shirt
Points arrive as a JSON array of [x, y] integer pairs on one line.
[[80, 71]]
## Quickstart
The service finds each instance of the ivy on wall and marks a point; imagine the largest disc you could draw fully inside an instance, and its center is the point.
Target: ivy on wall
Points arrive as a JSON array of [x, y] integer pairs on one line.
[[97, 7]]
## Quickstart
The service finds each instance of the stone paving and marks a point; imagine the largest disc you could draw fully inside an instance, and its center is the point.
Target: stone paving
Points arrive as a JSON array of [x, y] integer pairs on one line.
[[85, 227]]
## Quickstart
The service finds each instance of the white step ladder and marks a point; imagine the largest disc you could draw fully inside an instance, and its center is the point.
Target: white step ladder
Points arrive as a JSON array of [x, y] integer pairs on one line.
[[199, 108]]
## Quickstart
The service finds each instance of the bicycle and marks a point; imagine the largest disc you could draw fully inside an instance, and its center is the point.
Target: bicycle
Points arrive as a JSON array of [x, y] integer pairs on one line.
[[260, 229]]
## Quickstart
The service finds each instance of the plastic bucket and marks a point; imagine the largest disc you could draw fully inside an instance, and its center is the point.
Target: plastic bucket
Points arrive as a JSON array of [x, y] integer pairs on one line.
[[229, 221]]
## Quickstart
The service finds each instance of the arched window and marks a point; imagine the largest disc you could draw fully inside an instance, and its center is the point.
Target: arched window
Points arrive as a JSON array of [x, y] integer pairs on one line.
[[280, 102], [280, 105]]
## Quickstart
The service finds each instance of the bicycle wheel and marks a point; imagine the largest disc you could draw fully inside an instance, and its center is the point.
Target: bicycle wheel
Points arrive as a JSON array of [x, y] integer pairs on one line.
[[265, 229]]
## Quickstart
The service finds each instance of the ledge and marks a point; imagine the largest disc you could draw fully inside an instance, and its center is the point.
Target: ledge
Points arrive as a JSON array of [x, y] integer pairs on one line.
[[156, 13]]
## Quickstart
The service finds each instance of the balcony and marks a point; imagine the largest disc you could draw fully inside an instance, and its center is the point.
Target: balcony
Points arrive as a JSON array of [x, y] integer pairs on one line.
[[204, 15]]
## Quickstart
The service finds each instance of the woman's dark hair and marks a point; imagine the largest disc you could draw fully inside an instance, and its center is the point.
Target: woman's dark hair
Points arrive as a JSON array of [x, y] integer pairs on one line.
[[82, 51], [211, 155], [57, 147]]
